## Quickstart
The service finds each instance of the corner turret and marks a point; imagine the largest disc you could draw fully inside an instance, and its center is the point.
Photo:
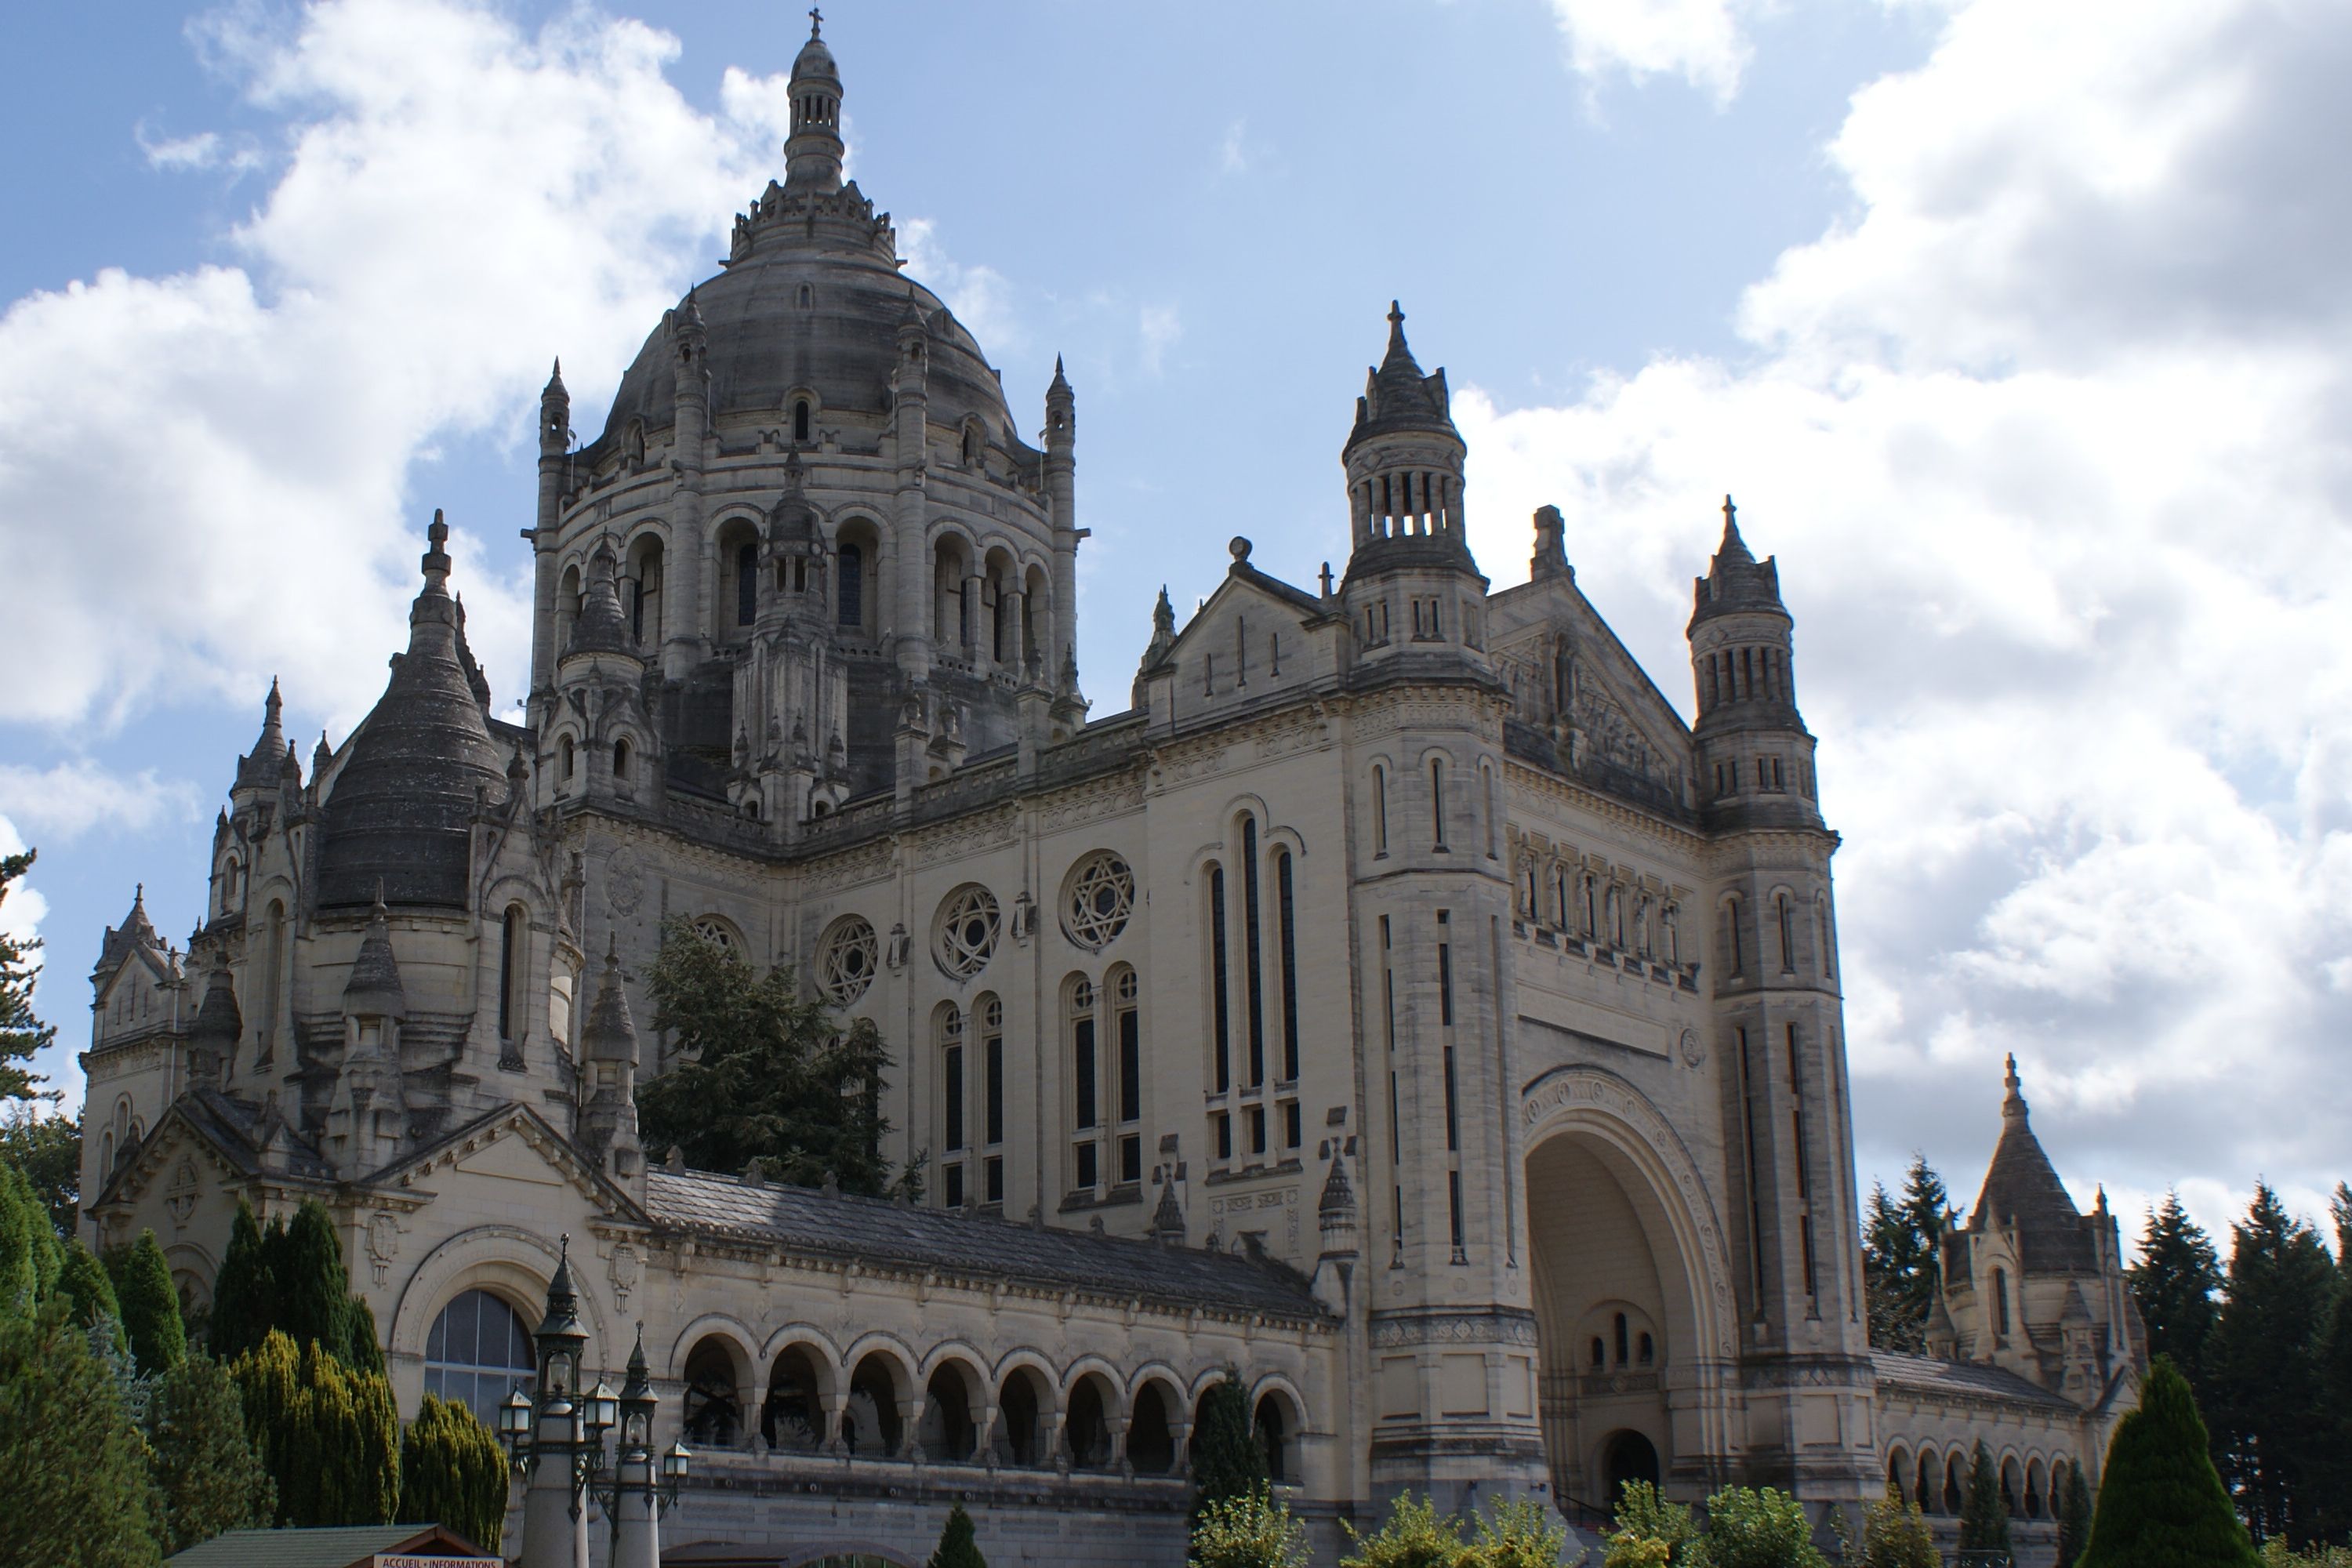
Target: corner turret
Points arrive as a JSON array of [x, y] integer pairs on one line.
[[608, 1047], [1754, 757], [368, 1116], [812, 153]]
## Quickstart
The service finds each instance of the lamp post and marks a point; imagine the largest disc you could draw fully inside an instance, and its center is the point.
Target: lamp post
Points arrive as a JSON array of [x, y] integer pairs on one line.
[[557, 1444], [636, 1496]]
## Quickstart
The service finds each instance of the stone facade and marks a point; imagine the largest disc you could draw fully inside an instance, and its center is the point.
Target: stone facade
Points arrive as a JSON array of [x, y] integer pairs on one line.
[[1398, 1006]]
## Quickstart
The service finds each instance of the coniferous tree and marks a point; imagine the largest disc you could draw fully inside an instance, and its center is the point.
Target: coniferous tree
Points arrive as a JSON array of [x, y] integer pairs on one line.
[[1228, 1461], [74, 1489], [2175, 1282], [958, 1544], [47, 1150], [2073, 1516], [453, 1472], [244, 1292], [211, 1479], [313, 1284], [84, 1284], [328, 1437], [2265, 1364], [2161, 1502], [1898, 1255], [21, 1033], [149, 1306], [1984, 1512], [30, 1256], [761, 1074], [2332, 1457]]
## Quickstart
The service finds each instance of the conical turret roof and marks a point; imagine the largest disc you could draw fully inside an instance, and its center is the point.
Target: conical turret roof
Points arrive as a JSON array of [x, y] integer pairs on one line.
[[602, 627], [2022, 1188], [1735, 579], [400, 817], [1397, 396]]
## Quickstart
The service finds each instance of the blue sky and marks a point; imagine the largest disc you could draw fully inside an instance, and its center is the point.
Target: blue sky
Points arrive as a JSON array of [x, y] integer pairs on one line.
[[2019, 333]]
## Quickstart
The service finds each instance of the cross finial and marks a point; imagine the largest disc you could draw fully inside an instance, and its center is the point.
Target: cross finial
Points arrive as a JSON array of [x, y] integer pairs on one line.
[[816, 22], [1730, 513]]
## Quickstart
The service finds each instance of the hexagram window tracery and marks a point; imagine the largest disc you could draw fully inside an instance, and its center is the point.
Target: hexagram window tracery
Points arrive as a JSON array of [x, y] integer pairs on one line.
[[1101, 896]]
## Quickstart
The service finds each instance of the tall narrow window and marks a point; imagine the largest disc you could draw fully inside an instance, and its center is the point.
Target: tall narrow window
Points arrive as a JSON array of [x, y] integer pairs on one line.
[[1082, 1054], [951, 1089], [1454, 1204], [992, 1050], [801, 420], [1128, 1023], [1253, 961], [1732, 944], [747, 584], [514, 933], [1221, 1014], [1494, 811], [1788, 933], [273, 980], [2001, 1302], [849, 573], [1285, 901], [621, 761], [638, 610], [1437, 801], [1380, 809]]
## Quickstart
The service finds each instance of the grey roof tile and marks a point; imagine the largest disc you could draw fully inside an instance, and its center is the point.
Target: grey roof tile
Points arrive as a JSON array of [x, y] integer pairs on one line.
[[1929, 1375]]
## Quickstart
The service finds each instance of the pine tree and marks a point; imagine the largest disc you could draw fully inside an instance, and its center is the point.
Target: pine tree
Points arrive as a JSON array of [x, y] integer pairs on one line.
[[30, 1257], [74, 1491], [211, 1479], [1984, 1512], [313, 1284], [958, 1544], [243, 1292], [21, 1033], [1227, 1461], [453, 1472], [47, 1149], [1253, 1532], [2073, 1516], [1899, 1256], [2161, 1503], [328, 1435], [2332, 1457], [2175, 1282], [2265, 1365], [84, 1284], [150, 1307]]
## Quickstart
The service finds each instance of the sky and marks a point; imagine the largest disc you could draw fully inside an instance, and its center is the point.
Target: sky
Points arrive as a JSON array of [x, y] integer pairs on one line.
[[2022, 333]]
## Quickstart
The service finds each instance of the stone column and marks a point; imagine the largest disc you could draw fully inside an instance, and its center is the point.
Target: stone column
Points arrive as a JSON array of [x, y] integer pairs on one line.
[[636, 1515], [976, 621]]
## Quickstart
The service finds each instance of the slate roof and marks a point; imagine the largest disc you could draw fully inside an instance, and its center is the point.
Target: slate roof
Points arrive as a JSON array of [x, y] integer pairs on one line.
[[2022, 1185], [840, 1225], [1927, 1376], [239, 1132], [339, 1546]]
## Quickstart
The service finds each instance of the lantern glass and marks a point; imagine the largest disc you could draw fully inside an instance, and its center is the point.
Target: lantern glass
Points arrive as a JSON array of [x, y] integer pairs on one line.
[[674, 1461], [603, 1409], [514, 1415]]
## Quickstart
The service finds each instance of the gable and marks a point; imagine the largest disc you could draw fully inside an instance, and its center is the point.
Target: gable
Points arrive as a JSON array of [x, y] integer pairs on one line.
[[1256, 639], [511, 1151], [1602, 717]]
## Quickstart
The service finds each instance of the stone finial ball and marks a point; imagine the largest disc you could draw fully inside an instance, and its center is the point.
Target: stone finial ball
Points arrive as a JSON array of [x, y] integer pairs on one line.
[[1239, 547]]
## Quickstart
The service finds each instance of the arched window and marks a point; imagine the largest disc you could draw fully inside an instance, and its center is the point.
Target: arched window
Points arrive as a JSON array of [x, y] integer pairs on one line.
[[1437, 801], [1078, 1009], [1788, 933], [971, 445], [800, 412], [571, 758], [1734, 949], [807, 298], [2001, 1303], [1220, 1012], [620, 761], [272, 989], [1253, 961], [477, 1353], [949, 1029], [1494, 810], [1380, 809], [1126, 1031], [1597, 1357], [513, 945], [1645, 1352], [991, 1011], [1620, 1326], [849, 582], [747, 584], [1829, 948], [1591, 893], [1286, 904]]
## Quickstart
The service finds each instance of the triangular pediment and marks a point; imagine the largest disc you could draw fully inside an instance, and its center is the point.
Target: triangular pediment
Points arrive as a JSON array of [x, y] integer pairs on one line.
[[1599, 713], [512, 1143], [1246, 593], [177, 1136]]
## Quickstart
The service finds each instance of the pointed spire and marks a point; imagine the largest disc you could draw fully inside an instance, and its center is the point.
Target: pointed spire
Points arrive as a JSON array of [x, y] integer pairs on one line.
[[640, 1384], [2012, 1102], [373, 990], [1734, 549], [602, 627], [1060, 386], [1168, 1218], [610, 1034], [258, 768], [1163, 616], [1339, 1200], [562, 1317], [435, 560], [555, 389]]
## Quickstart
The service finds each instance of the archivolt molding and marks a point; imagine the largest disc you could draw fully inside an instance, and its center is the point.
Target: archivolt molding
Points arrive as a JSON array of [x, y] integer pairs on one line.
[[1588, 1100], [487, 1255]]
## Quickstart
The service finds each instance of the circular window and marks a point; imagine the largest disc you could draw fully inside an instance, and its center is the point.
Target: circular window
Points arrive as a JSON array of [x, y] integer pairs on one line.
[[969, 923], [846, 959], [717, 932], [1101, 896]]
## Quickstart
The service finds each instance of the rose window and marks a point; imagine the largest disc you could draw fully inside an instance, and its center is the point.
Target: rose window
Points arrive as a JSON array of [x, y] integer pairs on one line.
[[847, 961], [969, 923], [1101, 896], [716, 931]]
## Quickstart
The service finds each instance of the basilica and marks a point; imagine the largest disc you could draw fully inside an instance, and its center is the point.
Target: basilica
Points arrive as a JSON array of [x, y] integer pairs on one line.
[[1393, 1005]]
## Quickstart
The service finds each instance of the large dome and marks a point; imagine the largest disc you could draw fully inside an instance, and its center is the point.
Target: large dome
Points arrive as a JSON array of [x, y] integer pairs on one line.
[[838, 340]]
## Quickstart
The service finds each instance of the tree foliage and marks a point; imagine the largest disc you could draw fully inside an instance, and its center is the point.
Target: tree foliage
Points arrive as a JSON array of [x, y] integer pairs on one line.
[[2161, 1503], [1649, 1531], [2264, 1367], [290, 1278], [1898, 1257], [453, 1473], [30, 1256], [2074, 1498], [1984, 1512], [329, 1436], [150, 1307], [47, 1150], [1415, 1535], [1896, 1535], [21, 1033], [958, 1544], [2175, 1282], [210, 1479], [760, 1074], [1248, 1531], [86, 1290], [1756, 1528], [1518, 1532], [74, 1489], [1227, 1461]]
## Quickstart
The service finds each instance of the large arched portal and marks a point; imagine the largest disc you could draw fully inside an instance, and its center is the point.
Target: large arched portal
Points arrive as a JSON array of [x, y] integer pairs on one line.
[[1627, 1325]]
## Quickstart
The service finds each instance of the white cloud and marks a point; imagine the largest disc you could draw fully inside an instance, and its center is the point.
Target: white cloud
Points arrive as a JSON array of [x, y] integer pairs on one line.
[[1233, 152], [979, 296], [2051, 439], [1704, 42], [1161, 328], [205, 150], [68, 799], [204, 476]]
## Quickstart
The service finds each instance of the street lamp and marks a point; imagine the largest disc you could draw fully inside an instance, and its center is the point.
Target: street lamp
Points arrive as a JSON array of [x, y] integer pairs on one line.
[[636, 1498]]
